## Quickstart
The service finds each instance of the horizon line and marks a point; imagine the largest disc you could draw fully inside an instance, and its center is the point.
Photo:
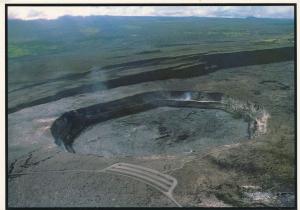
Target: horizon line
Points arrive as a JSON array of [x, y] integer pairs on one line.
[[160, 16]]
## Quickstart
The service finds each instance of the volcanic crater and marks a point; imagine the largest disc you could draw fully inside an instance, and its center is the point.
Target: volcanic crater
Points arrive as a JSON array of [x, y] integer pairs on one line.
[[159, 122]]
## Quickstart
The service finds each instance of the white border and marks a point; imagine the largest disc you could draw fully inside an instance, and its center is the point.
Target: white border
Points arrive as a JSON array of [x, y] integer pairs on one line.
[[2, 61]]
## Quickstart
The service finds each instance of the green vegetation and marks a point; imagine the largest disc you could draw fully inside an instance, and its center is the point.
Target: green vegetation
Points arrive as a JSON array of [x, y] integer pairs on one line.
[[70, 34], [31, 48], [15, 51]]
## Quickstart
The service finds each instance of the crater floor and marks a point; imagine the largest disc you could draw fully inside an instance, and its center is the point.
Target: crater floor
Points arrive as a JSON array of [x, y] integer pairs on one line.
[[162, 131]]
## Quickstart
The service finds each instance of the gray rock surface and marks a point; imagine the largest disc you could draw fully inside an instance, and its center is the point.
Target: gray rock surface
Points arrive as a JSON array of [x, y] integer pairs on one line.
[[60, 181]]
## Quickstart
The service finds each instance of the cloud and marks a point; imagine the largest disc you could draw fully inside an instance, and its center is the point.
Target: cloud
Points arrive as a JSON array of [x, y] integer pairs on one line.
[[30, 13]]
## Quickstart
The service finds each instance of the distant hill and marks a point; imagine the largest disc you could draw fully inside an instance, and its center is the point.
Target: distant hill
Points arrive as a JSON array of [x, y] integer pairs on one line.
[[70, 33]]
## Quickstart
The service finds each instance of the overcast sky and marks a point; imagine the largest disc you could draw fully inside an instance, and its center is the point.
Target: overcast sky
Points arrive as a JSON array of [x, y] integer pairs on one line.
[[30, 13]]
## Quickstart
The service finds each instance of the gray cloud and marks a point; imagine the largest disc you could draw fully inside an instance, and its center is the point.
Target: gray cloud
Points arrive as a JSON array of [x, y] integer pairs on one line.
[[34, 13]]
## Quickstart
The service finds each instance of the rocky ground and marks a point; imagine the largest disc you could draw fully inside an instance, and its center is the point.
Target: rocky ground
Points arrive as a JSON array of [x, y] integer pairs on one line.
[[223, 169]]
